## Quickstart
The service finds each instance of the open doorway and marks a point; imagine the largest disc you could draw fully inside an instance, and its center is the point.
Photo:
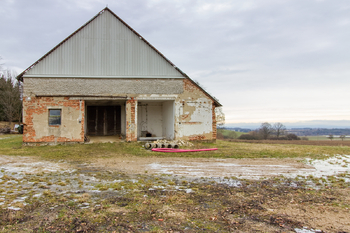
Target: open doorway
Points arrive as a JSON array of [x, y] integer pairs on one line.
[[155, 119]]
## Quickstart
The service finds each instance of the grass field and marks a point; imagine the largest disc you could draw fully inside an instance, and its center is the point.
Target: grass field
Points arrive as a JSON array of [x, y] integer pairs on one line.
[[229, 133], [324, 137], [12, 145], [96, 199]]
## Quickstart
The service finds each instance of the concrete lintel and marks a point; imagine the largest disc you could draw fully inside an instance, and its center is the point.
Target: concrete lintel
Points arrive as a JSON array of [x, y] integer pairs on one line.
[[155, 98]]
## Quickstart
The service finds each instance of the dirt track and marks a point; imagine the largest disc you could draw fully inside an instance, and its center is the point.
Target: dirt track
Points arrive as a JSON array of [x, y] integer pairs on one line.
[[202, 167]]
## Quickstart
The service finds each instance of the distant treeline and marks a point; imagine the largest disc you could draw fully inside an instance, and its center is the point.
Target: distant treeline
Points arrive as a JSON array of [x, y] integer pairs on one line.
[[237, 129], [318, 131]]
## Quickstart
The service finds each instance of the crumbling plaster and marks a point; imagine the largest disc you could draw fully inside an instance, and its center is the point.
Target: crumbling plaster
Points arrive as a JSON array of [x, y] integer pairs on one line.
[[193, 112], [193, 109], [36, 115]]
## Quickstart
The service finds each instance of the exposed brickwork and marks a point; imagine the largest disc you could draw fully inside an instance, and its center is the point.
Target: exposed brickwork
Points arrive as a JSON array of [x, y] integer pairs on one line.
[[214, 122], [197, 138], [188, 86], [131, 128], [39, 106], [194, 112]]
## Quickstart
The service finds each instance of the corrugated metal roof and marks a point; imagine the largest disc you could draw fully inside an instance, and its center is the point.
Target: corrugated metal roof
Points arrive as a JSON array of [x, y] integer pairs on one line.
[[106, 46]]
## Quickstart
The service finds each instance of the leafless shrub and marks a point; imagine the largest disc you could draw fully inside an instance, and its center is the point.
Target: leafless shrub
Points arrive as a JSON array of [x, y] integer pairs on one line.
[[5, 130]]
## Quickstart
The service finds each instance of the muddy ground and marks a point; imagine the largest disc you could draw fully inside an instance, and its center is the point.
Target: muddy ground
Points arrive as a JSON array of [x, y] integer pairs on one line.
[[203, 167], [151, 194]]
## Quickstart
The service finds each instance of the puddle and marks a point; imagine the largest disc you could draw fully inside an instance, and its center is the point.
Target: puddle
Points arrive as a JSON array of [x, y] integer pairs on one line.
[[330, 166], [24, 178], [22, 165], [256, 170]]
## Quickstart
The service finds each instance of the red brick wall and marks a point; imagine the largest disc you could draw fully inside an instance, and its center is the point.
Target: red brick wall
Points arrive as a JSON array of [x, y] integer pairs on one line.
[[214, 122], [131, 128], [40, 106]]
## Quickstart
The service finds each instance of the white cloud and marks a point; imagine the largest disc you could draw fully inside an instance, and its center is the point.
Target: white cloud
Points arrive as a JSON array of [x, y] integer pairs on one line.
[[262, 59]]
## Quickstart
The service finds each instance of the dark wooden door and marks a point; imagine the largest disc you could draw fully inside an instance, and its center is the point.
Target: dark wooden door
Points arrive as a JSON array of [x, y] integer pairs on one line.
[[104, 120]]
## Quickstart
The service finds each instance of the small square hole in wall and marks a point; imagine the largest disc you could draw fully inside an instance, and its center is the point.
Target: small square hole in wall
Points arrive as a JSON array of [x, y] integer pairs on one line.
[[54, 116]]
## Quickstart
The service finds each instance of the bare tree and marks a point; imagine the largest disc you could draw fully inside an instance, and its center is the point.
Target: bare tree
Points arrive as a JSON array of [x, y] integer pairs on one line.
[[265, 130], [279, 129], [220, 116], [10, 96], [331, 136], [342, 137]]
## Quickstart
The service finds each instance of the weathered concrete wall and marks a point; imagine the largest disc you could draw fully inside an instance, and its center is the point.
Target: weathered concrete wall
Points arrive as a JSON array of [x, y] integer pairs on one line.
[[195, 118], [193, 112], [168, 119], [101, 86], [36, 120]]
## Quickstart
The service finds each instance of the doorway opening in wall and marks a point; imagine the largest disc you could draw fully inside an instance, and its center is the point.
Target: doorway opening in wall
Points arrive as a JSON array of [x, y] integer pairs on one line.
[[155, 119], [104, 120]]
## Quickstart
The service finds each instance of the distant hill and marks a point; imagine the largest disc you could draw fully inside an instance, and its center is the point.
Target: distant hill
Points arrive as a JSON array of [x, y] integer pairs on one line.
[[319, 131], [326, 124], [237, 129]]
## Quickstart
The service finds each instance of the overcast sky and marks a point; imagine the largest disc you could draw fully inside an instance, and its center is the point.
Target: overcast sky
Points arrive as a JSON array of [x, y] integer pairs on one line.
[[270, 60]]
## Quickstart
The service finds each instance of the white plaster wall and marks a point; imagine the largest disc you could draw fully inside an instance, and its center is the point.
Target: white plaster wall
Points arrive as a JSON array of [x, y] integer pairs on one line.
[[150, 118], [199, 120], [168, 120], [70, 126]]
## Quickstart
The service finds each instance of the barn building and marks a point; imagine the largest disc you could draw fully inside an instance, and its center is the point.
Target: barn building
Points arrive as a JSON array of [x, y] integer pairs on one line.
[[106, 79]]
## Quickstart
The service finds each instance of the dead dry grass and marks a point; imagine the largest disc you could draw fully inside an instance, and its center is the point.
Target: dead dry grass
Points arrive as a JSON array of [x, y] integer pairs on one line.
[[226, 149], [271, 205], [91, 198]]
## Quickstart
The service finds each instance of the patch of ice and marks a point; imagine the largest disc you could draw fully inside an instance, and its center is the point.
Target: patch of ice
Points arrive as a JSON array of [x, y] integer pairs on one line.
[[229, 182], [328, 167], [188, 190], [306, 230], [226, 164], [13, 208], [95, 191], [20, 199]]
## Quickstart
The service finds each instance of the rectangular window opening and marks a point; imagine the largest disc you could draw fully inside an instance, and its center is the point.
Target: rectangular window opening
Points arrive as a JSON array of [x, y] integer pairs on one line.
[[54, 116]]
